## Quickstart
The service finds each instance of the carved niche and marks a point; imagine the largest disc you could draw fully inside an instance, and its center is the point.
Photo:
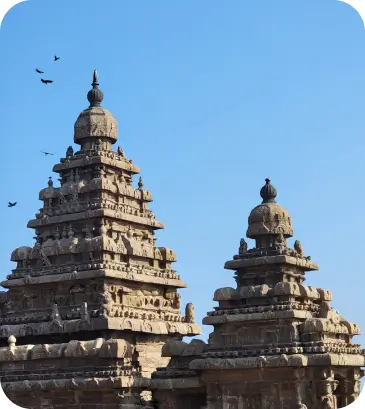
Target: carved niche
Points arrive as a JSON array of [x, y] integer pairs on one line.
[[78, 295]]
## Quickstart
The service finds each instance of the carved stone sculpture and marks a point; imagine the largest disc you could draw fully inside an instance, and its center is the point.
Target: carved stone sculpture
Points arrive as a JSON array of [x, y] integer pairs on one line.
[[69, 152], [243, 247], [55, 313], [120, 152], [189, 313], [298, 248]]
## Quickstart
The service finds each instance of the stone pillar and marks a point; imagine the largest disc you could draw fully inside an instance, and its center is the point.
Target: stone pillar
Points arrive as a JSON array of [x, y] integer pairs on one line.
[[214, 397], [348, 392], [325, 390], [149, 357]]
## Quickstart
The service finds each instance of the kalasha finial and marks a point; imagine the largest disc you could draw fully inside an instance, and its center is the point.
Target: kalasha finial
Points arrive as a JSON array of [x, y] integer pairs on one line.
[[268, 192], [95, 96], [95, 79]]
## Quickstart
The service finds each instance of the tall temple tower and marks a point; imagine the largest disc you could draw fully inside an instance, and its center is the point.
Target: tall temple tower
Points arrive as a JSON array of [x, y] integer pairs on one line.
[[91, 304], [277, 343]]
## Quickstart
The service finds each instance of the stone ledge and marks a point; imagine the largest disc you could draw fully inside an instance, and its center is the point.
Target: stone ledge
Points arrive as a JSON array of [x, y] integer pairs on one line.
[[266, 308], [119, 163], [114, 348], [279, 361], [76, 383], [237, 352], [159, 327], [180, 383], [279, 289], [266, 315], [311, 324], [99, 213], [81, 275], [279, 259], [101, 323]]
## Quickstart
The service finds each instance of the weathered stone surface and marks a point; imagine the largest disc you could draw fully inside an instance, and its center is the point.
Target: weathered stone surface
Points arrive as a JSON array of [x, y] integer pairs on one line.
[[94, 300], [276, 344], [92, 316]]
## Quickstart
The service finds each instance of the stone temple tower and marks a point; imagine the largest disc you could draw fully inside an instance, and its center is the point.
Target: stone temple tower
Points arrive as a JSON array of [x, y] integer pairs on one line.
[[91, 304], [277, 343]]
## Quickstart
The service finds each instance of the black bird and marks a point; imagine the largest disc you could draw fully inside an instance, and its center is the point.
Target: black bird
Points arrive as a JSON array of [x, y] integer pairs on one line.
[[56, 58], [46, 81], [46, 153], [12, 204], [39, 71]]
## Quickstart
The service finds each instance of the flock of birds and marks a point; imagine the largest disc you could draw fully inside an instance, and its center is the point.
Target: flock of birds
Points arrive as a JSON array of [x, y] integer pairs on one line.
[[37, 70], [55, 59], [45, 153]]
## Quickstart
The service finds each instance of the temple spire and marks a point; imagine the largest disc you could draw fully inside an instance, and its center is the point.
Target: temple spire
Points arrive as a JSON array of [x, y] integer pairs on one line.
[[95, 95], [95, 79]]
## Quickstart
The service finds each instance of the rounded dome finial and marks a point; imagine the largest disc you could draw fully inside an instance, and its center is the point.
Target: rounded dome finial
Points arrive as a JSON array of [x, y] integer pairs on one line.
[[269, 218], [11, 341], [95, 96], [268, 192]]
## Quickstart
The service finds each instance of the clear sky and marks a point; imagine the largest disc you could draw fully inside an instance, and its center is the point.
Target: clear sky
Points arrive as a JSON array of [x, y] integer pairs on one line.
[[211, 97]]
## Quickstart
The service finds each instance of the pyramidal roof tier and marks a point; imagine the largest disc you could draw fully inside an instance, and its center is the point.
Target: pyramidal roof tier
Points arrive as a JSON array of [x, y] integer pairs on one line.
[[94, 243], [276, 342], [270, 290]]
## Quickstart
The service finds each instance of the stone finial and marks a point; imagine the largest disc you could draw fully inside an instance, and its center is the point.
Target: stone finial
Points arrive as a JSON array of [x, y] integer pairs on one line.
[[11, 341], [84, 312], [268, 192], [55, 316], [243, 247], [70, 151], [140, 183], [121, 152], [298, 248], [189, 313], [95, 95]]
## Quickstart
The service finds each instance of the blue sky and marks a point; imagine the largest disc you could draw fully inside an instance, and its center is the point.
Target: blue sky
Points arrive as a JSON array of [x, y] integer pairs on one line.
[[211, 97]]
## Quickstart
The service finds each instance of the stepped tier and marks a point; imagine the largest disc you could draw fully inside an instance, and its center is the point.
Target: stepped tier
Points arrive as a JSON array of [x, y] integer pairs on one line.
[[94, 274], [277, 343]]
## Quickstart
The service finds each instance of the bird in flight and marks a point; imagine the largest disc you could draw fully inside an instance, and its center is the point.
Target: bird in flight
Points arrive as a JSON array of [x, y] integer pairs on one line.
[[56, 58], [39, 71], [12, 204], [46, 153], [46, 81]]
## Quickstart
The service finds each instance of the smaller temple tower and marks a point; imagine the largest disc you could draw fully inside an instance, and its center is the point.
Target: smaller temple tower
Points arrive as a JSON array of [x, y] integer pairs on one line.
[[277, 343]]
